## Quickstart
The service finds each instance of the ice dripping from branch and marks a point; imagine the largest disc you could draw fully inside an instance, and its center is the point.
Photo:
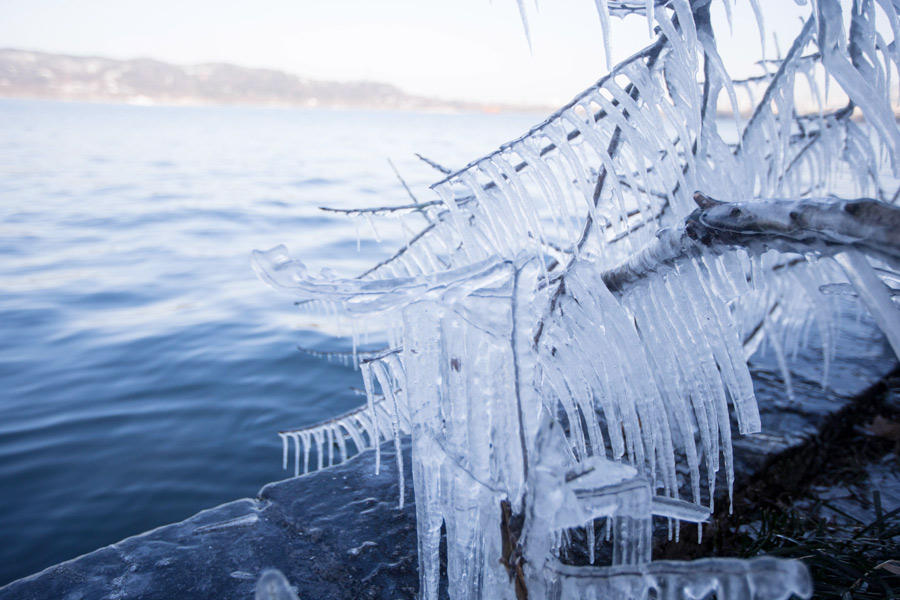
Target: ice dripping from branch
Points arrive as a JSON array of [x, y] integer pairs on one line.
[[571, 327]]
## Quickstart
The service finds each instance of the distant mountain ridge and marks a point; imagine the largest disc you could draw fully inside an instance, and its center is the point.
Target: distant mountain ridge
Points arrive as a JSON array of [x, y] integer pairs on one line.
[[28, 74]]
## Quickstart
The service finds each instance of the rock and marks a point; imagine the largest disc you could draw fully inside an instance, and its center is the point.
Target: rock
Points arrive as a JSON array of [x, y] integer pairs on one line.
[[335, 534]]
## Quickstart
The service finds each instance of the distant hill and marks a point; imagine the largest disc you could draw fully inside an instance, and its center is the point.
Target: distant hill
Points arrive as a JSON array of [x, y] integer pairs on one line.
[[26, 74]]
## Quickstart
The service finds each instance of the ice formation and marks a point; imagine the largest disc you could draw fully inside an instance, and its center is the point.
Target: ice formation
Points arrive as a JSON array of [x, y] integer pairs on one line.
[[571, 327], [273, 585]]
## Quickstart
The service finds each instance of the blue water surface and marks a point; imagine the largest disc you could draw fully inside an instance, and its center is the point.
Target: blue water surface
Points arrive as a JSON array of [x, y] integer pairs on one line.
[[144, 370]]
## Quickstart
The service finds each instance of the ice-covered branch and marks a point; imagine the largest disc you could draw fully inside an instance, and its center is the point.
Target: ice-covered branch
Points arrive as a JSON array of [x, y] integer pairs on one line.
[[277, 269], [824, 226], [380, 210], [351, 433], [573, 277], [346, 358]]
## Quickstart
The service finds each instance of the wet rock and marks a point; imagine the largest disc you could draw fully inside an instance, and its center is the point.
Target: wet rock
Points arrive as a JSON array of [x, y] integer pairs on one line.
[[334, 534]]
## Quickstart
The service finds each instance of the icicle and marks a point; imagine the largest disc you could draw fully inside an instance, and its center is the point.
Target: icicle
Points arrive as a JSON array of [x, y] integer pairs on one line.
[[341, 442], [603, 13], [329, 440], [729, 18], [524, 15], [510, 184], [371, 223], [686, 22], [853, 83], [591, 542], [611, 176], [669, 174], [284, 445], [355, 435], [824, 320], [462, 228], [551, 194], [612, 173], [761, 25], [874, 295], [719, 75], [558, 135], [772, 337], [370, 397], [498, 232], [511, 204], [699, 393], [661, 365], [320, 448], [306, 447], [384, 381], [556, 199]]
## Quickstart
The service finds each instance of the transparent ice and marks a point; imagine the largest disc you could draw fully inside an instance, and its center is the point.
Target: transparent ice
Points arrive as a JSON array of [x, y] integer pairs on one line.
[[571, 327], [273, 585]]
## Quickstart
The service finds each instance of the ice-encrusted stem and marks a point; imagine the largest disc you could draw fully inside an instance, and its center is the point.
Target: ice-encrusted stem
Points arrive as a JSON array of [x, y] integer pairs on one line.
[[825, 226], [278, 270]]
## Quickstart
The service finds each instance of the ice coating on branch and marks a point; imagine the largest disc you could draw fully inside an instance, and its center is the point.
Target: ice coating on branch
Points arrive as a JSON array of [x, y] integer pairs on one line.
[[361, 296], [350, 433], [570, 329]]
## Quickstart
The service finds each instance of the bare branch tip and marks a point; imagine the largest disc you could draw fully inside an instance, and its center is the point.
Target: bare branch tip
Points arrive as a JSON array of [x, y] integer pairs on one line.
[[703, 201]]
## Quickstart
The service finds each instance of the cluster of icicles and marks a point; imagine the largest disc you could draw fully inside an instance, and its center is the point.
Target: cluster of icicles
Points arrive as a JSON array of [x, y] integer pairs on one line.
[[509, 322]]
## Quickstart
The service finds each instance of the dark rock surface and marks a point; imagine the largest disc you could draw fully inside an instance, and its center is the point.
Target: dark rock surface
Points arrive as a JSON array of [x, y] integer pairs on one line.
[[862, 358], [336, 533]]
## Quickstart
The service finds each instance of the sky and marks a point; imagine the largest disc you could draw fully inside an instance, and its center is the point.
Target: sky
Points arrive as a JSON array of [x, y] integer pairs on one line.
[[473, 50]]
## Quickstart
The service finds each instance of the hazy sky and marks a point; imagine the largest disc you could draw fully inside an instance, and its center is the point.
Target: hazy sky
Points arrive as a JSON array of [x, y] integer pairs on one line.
[[456, 49]]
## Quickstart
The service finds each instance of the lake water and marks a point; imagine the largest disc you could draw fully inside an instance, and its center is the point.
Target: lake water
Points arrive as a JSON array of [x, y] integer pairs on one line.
[[144, 370]]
